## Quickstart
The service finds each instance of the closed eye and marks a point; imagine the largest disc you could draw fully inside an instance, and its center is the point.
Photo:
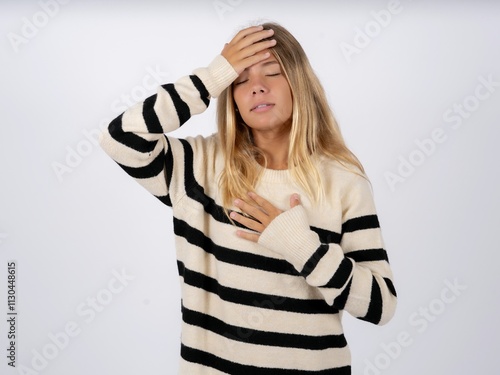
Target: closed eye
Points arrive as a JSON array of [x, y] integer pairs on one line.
[[246, 80]]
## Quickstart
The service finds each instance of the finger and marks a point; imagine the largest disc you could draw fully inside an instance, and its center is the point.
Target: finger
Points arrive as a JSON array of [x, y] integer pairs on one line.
[[250, 44], [247, 222], [255, 212], [294, 200], [268, 207], [256, 38], [241, 60], [242, 51], [247, 60], [245, 32], [243, 39], [246, 47], [253, 45], [254, 237], [255, 48], [252, 37]]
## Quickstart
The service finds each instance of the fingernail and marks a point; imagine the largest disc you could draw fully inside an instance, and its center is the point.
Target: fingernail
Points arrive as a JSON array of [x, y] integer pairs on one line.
[[237, 202]]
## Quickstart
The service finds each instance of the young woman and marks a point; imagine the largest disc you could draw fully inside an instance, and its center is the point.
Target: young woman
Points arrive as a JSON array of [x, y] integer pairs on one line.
[[275, 224]]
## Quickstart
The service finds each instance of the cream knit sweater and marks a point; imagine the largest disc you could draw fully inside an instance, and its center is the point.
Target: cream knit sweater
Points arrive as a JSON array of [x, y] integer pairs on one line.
[[269, 308]]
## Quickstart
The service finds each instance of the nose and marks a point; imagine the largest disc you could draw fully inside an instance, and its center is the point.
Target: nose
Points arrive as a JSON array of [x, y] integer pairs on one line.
[[258, 87]]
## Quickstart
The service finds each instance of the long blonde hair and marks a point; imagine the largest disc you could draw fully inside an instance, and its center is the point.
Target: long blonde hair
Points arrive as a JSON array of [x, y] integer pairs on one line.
[[314, 131]]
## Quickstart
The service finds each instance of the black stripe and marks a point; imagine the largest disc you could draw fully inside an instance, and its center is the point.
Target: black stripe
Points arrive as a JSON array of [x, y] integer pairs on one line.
[[374, 313], [368, 255], [341, 275], [391, 287], [341, 299], [129, 139], [169, 164], [242, 297], [195, 191], [327, 236], [228, 367], [182, 109], [204, 94], [165, 199], [313, 261], [359, 223], [151, 170], [150, 117], [231, 256], [252, 336]]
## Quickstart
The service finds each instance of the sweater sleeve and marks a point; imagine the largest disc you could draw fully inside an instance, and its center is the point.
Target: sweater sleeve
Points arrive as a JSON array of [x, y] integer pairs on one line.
[[353, 275], [136, 139]]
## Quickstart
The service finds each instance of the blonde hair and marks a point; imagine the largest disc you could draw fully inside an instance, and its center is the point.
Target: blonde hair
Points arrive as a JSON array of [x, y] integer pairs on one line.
[[314, 131]]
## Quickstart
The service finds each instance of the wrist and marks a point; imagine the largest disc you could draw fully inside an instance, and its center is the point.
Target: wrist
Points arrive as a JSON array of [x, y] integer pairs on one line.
[[289, 235], [217, 76]]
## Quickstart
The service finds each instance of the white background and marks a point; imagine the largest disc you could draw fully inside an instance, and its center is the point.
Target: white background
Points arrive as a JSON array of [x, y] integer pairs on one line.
[[71, 218]]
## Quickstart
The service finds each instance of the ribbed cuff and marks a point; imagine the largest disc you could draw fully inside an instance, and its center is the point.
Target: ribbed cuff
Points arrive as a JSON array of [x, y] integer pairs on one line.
[[217, 76], [289, 234]]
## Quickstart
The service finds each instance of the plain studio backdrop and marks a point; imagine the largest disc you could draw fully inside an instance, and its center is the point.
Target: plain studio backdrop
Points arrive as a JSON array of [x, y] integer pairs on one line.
[[415, 86]]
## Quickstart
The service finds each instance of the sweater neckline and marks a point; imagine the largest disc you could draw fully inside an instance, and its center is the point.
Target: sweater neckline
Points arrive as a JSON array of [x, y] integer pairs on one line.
[[275, 175]]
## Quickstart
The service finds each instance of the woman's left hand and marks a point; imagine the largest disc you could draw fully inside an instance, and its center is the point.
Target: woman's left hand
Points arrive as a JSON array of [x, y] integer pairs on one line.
[[262, 212]]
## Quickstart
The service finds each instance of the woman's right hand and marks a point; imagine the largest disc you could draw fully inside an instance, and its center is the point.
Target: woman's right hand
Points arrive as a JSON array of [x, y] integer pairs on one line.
[[247, 48]]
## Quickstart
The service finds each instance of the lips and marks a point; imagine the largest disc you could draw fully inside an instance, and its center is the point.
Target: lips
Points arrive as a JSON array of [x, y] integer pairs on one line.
[[262, 106]]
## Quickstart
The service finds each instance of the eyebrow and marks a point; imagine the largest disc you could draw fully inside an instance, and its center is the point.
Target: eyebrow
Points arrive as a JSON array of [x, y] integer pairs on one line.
[[270, 63]]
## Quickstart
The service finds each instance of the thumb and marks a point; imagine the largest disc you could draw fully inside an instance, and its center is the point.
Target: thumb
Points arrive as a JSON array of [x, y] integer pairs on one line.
[[294, 200]]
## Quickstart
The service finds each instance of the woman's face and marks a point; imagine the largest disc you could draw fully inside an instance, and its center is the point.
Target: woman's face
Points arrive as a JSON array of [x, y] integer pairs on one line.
[[263, 97]]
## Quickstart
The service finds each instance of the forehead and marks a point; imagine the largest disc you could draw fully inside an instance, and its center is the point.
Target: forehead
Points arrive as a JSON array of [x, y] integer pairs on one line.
[[270, 61]]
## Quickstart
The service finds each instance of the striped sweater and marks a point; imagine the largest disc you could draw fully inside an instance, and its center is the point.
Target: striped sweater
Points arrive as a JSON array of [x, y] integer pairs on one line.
[[272, 307]]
